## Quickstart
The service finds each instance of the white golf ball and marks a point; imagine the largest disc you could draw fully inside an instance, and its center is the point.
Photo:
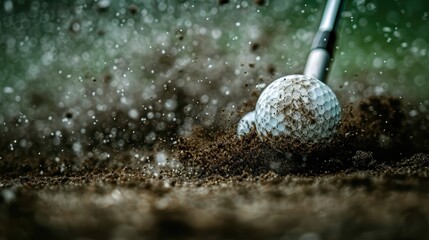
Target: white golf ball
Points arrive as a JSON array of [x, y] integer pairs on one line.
[[246, 124], [296, 112]]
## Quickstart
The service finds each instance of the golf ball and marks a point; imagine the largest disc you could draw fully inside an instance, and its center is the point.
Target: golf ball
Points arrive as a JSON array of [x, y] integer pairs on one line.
[[246, 124], [296, 112]]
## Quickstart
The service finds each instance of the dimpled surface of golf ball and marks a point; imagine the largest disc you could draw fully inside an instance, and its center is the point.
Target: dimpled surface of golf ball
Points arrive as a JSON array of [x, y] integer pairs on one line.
[[296, 112]]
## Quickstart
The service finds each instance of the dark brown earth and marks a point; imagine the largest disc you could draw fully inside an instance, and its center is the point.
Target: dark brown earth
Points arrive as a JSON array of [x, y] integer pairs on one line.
[[370, 183]]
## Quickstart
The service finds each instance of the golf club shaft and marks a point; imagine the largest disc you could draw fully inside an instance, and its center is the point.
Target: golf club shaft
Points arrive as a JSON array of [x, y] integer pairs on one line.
[[323, 44]]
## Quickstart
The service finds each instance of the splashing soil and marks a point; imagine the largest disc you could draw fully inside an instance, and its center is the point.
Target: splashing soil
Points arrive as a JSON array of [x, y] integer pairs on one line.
[[371, 182]]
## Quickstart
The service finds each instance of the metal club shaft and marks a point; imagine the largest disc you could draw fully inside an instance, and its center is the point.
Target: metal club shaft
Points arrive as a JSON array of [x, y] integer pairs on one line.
[[323, 44]]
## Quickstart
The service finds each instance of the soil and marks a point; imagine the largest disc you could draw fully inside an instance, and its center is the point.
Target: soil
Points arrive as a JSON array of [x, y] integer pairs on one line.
[[371, 182]]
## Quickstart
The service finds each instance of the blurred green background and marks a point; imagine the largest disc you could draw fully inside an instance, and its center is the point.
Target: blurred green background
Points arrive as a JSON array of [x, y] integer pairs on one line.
[[57, 49]]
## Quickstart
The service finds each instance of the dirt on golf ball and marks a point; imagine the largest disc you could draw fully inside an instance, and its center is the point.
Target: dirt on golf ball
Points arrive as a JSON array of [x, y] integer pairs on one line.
[[296, 112]]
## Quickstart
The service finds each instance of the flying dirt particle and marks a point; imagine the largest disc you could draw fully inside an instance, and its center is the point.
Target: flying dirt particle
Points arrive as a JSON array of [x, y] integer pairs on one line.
[[259, 2], [254, 46], [100, 32], [107, 78], [271, 69], [133, 9], [221, 2], [180, 35]]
